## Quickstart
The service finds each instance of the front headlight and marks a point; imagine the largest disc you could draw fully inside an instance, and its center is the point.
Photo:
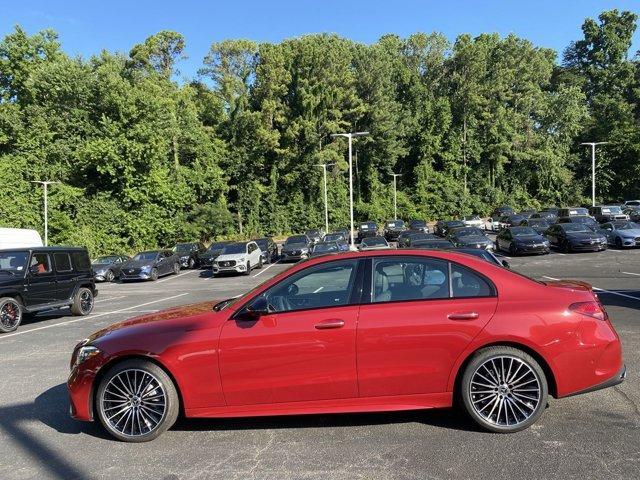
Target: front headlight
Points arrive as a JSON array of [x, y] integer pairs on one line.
[[241, 260], [146, 268], [184, 258], [83, 354]]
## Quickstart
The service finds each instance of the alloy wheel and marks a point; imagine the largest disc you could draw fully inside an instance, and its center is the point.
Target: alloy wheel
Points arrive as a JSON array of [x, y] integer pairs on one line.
[[10, 315], [86, 301], [505, 391], [134, 403]]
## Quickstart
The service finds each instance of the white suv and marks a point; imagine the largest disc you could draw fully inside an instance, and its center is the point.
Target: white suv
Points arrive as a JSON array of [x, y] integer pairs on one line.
[[240, 257]]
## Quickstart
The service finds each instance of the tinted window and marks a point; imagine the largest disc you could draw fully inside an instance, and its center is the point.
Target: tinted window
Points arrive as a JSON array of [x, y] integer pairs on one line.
[[467, 283], [81, 261], [397, 279], [41, 262], [234, 248], [325, 285], [13, 262], [297, 239], [372, 241], [146, 256], [62, 262]]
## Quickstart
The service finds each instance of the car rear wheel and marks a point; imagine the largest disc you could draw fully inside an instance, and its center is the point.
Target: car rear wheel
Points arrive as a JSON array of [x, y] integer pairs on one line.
[[618, 242], [154, 274], [137, 401], [260, 263], [191, 263], [11, 312], [504, 389], [109, 276], [248, 269], [176, 268], [82, 302]]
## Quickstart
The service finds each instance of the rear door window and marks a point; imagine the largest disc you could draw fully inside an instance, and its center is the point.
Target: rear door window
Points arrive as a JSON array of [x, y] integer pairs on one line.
[[62, 262], [467, 283], [409, 278]]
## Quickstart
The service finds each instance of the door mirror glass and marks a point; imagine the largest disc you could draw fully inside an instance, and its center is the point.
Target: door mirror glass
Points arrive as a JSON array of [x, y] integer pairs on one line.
[[256, 309], [506, 264]]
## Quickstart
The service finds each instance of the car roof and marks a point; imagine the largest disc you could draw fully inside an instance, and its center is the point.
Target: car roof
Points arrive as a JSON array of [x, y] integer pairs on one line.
[[45, 249]]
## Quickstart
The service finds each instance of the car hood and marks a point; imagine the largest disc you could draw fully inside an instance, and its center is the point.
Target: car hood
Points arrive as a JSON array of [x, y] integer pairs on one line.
[[138, 263], [175, 318], [472, 239], [231, 256], [102, 267], [584, 236], [635, 232], [295, 246], [529, 239]]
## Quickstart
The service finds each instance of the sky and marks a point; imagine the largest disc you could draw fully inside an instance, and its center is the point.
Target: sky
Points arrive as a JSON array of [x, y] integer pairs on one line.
[[88, 26]]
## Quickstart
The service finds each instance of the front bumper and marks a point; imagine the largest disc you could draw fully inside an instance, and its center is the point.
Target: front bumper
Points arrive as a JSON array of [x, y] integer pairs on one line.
[[289, 256], [591, 247], [136, 276], [533, 250], [238, 268]]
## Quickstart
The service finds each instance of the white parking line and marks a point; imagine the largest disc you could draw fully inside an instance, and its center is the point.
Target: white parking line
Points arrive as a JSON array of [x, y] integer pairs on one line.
[[631, 273], [176, 276], [92, 316], [265, 269], [603, 290]]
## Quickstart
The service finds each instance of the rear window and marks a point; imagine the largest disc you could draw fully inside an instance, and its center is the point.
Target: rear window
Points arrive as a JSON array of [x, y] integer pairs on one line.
[[81, 261]]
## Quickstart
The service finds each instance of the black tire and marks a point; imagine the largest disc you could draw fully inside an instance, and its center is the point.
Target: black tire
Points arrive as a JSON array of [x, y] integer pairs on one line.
[[248, 270], [512, 250], [523, 416], [82, 302], [192, 263], [109, 276], [11, 314], [566, 247], [618, 243], [166, 390], [176, 268], [259, 264], [154, 274]]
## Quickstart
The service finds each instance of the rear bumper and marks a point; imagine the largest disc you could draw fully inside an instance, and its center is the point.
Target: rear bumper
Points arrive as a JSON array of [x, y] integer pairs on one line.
[[617, 379]]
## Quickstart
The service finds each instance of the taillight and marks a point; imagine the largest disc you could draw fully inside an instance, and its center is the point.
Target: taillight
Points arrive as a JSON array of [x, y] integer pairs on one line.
[[591, 309]]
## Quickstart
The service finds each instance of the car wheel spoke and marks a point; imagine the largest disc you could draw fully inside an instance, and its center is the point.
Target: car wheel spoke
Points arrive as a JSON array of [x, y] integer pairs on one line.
[[134, 403], [505, 391]]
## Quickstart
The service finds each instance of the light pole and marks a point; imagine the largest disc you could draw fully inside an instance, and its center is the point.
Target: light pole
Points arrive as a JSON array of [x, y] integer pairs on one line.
[[45, 184], [593, 168], [326, 201], [395, 195], [350, 136]]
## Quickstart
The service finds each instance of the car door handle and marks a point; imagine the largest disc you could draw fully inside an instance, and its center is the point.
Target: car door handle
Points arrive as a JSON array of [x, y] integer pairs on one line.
[[463, 316], [327, 324]]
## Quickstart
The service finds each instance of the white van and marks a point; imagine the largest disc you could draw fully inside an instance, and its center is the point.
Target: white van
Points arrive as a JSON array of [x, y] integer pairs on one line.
[[19, 238]]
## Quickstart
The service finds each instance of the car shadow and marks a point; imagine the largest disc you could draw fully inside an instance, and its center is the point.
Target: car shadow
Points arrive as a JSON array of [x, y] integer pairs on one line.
[[620, 298]]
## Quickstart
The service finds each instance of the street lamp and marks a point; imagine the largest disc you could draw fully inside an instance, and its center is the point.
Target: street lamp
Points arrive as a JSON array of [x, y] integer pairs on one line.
[[45, 185], [593, 168], [326, 202], [350, 136], [395, 195]]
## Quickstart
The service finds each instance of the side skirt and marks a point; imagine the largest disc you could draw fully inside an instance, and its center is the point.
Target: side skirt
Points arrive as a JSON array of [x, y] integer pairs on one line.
[[346, 405]]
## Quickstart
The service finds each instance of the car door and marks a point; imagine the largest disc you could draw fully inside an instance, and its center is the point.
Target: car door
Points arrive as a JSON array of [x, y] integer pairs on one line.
[[552, 234], [304, 349], [423, 313], [41, 281], [65, 275]]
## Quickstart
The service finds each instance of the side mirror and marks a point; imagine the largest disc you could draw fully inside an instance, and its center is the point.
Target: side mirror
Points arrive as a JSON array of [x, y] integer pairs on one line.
[[506, 264], [256, 309]]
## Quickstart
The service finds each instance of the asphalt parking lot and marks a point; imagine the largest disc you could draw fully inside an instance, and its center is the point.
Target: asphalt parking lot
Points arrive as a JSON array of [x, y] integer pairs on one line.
[[590, 436]]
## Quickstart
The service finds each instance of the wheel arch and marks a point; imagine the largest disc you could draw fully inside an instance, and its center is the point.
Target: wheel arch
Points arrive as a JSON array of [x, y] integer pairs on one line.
[[135, 356], [546, 368]]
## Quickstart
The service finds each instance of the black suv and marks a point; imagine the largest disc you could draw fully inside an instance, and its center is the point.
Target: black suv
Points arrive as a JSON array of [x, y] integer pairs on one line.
[[269, 249], [44, 278], [190, 254]]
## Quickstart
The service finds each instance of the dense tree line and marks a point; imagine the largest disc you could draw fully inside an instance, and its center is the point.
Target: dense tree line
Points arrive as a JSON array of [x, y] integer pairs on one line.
[[146, 160]]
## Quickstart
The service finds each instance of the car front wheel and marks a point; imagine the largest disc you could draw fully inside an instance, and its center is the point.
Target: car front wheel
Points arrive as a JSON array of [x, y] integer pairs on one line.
[[137, 401], [109, 276], [504, 389]]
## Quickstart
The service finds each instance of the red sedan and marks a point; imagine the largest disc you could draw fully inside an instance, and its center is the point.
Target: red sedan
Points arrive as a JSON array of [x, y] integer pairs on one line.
[[357, 332]]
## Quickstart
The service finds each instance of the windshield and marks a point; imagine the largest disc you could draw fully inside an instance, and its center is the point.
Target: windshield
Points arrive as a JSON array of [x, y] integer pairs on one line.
[[578, 211], [467, 232], [184, 247], [581, 219], [333, 237], [104, 260], [629, 226], [216, 246], [146, 256], [575, 227], [373, 241], [395, 224], [13, 262], [325, 247], [538, 223], [296, 239], [523, 231], [418, 223], [234, 248], [262, 243], [611, 210]]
